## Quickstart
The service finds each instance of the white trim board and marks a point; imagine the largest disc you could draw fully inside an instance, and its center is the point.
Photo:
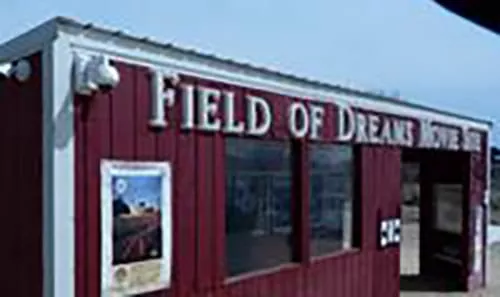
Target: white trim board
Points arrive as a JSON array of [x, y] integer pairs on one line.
[[58, 172]]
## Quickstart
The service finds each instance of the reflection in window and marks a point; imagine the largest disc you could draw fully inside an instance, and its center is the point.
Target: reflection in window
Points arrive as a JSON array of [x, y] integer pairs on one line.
[[331, 203], [258, 198]]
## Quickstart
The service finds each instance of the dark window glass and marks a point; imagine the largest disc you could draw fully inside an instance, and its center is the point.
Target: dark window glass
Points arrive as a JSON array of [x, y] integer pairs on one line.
[[258, 198], [331, 169]]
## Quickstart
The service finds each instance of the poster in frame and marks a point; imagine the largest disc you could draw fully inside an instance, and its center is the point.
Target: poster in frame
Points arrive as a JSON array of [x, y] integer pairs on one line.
[[136, 227]]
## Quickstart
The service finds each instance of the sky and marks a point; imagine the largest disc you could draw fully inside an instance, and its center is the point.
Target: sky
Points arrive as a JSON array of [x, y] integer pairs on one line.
[[413, 48], [139, 189]]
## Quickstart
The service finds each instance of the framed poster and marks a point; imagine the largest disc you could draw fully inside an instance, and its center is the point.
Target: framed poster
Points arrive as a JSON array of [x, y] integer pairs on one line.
[[136, 227], [448, 209]]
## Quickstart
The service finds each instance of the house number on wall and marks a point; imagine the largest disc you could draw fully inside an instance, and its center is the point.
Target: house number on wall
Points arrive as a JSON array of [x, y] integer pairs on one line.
[[390, 232]]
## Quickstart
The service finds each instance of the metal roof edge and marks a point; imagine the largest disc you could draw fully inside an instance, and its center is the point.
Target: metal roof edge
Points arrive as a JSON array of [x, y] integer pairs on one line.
[[29, 41], [49, 29]]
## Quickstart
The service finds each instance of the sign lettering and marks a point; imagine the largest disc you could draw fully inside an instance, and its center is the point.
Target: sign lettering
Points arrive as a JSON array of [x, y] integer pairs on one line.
[[211, 109]]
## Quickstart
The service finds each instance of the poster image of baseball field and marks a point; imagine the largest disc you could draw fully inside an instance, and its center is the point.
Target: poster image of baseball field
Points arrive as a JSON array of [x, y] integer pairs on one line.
[[136, 227]]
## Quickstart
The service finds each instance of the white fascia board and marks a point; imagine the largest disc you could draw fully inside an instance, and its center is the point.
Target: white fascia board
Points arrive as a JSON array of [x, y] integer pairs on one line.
[[28, 43], [136, 53]]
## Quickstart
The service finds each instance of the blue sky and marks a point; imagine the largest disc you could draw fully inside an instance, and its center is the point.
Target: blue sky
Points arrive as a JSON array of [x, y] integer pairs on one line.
[[139, 189], [414, 48]]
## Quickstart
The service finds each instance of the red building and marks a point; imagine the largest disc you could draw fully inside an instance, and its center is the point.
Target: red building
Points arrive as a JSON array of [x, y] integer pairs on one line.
[[271, 184]]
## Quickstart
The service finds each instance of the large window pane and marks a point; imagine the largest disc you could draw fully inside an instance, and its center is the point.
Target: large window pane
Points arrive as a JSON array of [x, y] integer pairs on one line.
[[331, 197], [258, 198]]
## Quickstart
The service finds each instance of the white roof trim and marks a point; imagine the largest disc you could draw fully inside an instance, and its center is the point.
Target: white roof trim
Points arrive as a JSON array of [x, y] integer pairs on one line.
[[28, 43], [137, 56], [143, 51]]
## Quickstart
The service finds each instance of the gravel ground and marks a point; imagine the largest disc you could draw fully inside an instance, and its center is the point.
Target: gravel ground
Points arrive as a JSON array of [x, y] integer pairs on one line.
[[409, 265]]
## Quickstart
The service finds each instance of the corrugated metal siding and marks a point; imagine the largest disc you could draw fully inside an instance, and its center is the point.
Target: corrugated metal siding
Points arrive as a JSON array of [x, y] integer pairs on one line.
[[21, 184], [114, 125], [381, 173]]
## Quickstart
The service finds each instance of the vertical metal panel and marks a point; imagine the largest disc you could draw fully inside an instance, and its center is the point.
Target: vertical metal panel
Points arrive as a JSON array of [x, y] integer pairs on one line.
[[30, 178], [381, 194], [96, 144], [122, 115], [205, 231], [81, 117], [21, 250], [147, 145], [219, 179], [8, 250], [166, 149]]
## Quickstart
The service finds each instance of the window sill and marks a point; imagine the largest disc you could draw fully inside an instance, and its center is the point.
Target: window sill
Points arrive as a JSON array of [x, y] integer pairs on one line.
[[261, 273], [335, 254]]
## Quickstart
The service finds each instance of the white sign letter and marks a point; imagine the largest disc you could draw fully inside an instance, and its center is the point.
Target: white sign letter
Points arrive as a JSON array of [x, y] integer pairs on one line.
[[361, 127], [409, 133], [208, 108], [346, 122], [295, 111], [373, 128], [160, 96], [230, 124], [317, 113], [187, 107], [254, 105], [426, 134]]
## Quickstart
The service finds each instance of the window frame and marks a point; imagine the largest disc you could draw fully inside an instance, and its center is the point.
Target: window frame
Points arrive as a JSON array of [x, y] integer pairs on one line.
[[300, 150]]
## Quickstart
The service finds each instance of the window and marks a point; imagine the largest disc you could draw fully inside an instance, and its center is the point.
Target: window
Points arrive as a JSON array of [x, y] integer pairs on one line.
[[258, 204], [331, 169]]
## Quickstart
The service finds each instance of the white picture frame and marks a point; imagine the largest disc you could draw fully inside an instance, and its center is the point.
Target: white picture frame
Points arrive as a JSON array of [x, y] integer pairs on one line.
[[136, 227]]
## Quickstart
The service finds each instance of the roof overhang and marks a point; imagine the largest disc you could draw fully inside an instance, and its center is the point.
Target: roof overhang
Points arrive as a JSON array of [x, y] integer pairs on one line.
[[481, 12], [90, 38]]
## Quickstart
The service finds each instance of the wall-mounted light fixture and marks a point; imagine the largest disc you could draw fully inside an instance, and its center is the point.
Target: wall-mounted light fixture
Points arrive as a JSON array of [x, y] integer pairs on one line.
[[21, 70], [93, 73]]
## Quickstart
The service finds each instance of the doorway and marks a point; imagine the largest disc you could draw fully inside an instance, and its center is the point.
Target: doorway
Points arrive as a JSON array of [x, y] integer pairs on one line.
[[433, 215]]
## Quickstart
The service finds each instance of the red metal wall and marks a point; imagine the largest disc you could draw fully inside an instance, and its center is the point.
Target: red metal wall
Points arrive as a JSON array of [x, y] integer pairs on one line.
[[115, 125], [21, 184], [477, 184]]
